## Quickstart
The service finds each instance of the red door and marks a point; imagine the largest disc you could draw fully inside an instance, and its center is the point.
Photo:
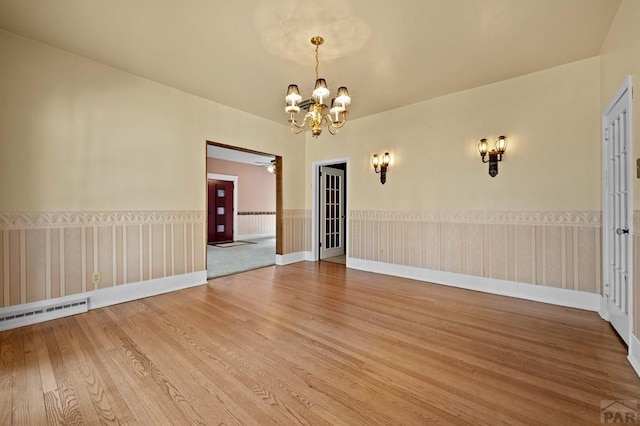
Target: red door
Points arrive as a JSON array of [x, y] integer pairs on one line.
[[220, 214]]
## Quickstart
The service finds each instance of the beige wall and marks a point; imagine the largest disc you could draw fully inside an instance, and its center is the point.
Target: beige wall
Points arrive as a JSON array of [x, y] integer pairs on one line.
[[78, 135], [99, 167], [552, 121], [620, 57], [256, 186], [537, 222]]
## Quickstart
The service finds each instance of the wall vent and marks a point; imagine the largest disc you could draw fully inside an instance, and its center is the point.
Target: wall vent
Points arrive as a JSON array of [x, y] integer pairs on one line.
[[306, 104], [21, 316]]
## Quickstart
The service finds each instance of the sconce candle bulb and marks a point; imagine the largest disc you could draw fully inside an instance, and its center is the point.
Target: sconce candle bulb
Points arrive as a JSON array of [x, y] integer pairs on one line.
[[375, 160], [501, 145], [483, 147], [386, 159]]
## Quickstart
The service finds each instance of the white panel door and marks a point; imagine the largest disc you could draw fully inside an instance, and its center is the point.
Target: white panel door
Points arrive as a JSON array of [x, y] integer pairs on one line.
[[617, 211], [331, 212]]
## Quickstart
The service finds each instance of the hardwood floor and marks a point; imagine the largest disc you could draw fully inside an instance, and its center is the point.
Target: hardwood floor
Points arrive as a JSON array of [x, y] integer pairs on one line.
[[315, 343]]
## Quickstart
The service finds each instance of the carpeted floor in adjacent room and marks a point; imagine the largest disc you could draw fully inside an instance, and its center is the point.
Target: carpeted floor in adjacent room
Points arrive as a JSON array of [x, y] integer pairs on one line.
[[225, 261]]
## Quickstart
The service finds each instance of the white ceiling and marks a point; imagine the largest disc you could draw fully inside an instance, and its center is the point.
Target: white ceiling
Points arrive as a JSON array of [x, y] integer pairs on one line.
[[244, 53], [238, 156]]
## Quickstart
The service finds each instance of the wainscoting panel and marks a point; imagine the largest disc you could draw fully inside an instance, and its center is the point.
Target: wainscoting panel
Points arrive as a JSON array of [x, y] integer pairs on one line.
[[179, 242], [44, 255], [296, 230], [256, 224], [556, 249]]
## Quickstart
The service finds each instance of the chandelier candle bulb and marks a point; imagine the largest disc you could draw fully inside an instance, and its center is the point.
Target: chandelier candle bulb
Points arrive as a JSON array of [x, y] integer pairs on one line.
[[343, 97], [336, 109], [321, 91], [293, 94], [317, 116], [292, 107]]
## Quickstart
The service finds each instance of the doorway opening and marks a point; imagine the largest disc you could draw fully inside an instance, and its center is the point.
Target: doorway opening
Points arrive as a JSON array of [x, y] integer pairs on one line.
[[243, 204], [329, 216]]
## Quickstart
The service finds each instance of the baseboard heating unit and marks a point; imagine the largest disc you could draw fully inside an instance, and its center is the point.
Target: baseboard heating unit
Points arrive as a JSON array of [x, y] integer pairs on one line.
[[39, 312]]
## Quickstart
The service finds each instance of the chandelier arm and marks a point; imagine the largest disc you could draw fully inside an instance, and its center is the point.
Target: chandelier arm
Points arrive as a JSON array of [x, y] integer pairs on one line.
[[337, 124], [326, 119], [301, 125]]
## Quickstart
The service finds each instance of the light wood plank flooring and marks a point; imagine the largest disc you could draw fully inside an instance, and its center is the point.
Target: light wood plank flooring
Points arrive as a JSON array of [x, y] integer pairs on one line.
[[315, 343]]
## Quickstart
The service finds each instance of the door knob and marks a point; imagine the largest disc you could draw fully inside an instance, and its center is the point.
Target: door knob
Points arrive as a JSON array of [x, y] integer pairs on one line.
[[621, 231]]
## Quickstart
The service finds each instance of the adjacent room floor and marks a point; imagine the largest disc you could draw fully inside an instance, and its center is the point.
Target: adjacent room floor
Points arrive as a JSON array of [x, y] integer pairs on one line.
[[342, 259], [240, 256]]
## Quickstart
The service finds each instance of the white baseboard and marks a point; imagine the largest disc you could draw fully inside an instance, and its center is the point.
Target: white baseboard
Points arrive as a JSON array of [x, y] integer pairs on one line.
[[603, 311], [128, 292], [555, 296], [254, 236], [634, 353], [301, 256], [113, 295]]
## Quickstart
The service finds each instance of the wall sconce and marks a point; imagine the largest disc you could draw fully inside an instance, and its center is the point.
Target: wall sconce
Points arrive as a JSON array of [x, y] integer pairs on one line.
[[380, 165], [495, 155]]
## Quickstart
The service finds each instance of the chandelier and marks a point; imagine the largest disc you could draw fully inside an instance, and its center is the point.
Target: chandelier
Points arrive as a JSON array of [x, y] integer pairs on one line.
[[317, 116]]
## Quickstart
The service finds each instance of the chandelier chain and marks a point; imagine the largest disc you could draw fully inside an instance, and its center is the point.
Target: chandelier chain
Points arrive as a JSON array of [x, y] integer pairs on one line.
[[317, 62]]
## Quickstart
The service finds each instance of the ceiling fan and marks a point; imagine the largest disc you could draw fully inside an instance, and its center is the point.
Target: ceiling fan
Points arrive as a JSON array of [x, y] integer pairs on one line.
[[271, 166]]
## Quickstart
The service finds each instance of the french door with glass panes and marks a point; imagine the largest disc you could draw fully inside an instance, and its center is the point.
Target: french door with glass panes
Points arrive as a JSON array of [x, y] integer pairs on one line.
[[617, 208], [331, 212]]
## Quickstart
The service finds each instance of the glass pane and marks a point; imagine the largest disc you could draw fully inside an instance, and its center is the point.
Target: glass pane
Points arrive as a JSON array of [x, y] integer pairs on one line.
[[220, 210], [220, 228], [221, 193]]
